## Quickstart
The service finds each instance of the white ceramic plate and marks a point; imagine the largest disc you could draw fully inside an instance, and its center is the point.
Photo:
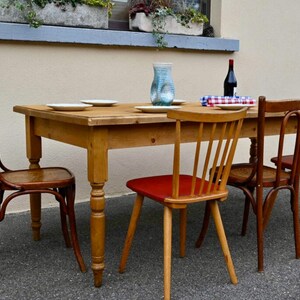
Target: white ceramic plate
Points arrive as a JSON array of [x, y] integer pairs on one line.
[[98, 102], [234, 106], [69, 106], [178, 101], [156, 109]]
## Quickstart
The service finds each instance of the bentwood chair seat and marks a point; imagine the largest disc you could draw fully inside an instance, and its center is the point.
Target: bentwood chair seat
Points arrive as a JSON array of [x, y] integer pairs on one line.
[[59, 182], [241, 173], [251, 177], [35, 178], [177, 190]]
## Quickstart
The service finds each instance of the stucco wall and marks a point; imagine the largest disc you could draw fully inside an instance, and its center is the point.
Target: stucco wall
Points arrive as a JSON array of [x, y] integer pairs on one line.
[[267, 64]]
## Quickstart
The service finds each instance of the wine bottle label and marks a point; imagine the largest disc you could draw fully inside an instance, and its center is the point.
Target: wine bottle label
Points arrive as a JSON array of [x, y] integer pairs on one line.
[[234, 91]]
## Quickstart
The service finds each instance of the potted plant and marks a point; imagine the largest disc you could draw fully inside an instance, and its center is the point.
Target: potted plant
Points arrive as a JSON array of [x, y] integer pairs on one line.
[[79, 13], [165, 16]]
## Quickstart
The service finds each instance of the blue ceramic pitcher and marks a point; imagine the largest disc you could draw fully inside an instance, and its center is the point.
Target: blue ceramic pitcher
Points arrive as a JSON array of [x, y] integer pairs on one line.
[[162, 89]]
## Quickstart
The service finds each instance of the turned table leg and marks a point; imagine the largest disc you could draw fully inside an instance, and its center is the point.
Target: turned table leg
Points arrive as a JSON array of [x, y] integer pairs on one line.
[[35, 208], [34, 153], [97, 176], [253, 150], [97, 232]]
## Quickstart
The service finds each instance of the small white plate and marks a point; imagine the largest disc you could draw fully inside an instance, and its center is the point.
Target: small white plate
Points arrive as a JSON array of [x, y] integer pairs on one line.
[[69, 106], [178, 101], [98, 102], [156, 109], [233, 106]]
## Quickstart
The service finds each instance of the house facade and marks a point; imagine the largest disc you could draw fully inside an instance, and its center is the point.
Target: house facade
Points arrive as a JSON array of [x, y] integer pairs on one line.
[[47, 65]]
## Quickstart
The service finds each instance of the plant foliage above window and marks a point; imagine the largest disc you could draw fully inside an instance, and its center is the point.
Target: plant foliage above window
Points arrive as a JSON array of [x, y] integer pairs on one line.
[[27, 7], [184, 11]]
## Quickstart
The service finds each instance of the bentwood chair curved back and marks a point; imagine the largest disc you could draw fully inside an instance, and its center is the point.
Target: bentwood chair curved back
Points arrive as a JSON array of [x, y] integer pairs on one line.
[[256, 176], [57, 181], [176, 191]]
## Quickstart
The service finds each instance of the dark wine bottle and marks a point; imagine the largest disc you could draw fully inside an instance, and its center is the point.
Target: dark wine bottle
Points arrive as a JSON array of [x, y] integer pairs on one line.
[[230, 83]]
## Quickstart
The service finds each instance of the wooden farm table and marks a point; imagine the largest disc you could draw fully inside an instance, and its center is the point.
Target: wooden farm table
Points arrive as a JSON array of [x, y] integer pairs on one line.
[[99, 129]]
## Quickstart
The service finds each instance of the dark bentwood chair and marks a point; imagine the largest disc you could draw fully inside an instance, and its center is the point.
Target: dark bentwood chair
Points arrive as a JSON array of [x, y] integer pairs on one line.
[[177, 191], [256, 176], [59, 182]]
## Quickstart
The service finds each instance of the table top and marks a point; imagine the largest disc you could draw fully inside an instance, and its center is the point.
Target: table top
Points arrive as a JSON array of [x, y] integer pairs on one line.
[[119, 114]]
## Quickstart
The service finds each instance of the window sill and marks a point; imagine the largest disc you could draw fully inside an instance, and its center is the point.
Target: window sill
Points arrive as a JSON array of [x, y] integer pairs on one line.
[[56, 34]]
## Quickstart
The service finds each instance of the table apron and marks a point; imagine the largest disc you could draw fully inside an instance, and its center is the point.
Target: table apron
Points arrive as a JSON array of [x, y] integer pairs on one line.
[[72, 134], [138, 135]]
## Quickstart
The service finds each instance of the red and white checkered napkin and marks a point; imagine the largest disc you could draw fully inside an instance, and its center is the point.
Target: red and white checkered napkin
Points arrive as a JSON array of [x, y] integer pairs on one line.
[[215, 100]]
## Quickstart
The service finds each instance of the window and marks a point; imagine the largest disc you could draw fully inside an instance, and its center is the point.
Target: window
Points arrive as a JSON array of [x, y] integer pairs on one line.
[[119, 18]]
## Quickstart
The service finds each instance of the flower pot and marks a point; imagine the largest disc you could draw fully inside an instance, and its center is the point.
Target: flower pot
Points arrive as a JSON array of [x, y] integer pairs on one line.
[[80, 16], [142, 22]]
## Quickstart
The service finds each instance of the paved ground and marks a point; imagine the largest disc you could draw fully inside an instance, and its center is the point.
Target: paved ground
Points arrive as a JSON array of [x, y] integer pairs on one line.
[[47, 270]]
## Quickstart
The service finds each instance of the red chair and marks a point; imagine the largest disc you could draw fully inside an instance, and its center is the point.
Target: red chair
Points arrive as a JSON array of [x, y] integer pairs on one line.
[[177, 191], [249, 177], [59, 182]]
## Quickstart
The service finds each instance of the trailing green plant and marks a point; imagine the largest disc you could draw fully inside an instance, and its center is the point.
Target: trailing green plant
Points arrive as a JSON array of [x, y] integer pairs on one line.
[[190, 15], [159, 22], [159, 10], [102, 3], [27, 7]]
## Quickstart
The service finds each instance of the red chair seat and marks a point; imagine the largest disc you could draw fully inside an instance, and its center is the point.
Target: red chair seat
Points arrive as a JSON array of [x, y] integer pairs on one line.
[[160, 187]]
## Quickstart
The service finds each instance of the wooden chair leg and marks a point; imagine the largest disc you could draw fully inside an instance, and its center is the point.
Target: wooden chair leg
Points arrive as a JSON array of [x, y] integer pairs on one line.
[[204, 226], [70, 197], [245, 216], [267, 208], [63, 220], [223, 241], [248, 194], [1, 196], [64, 227], [296, 231], [295, 203], [260, 233], [183, 218], [167, 251], [131, 231]]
